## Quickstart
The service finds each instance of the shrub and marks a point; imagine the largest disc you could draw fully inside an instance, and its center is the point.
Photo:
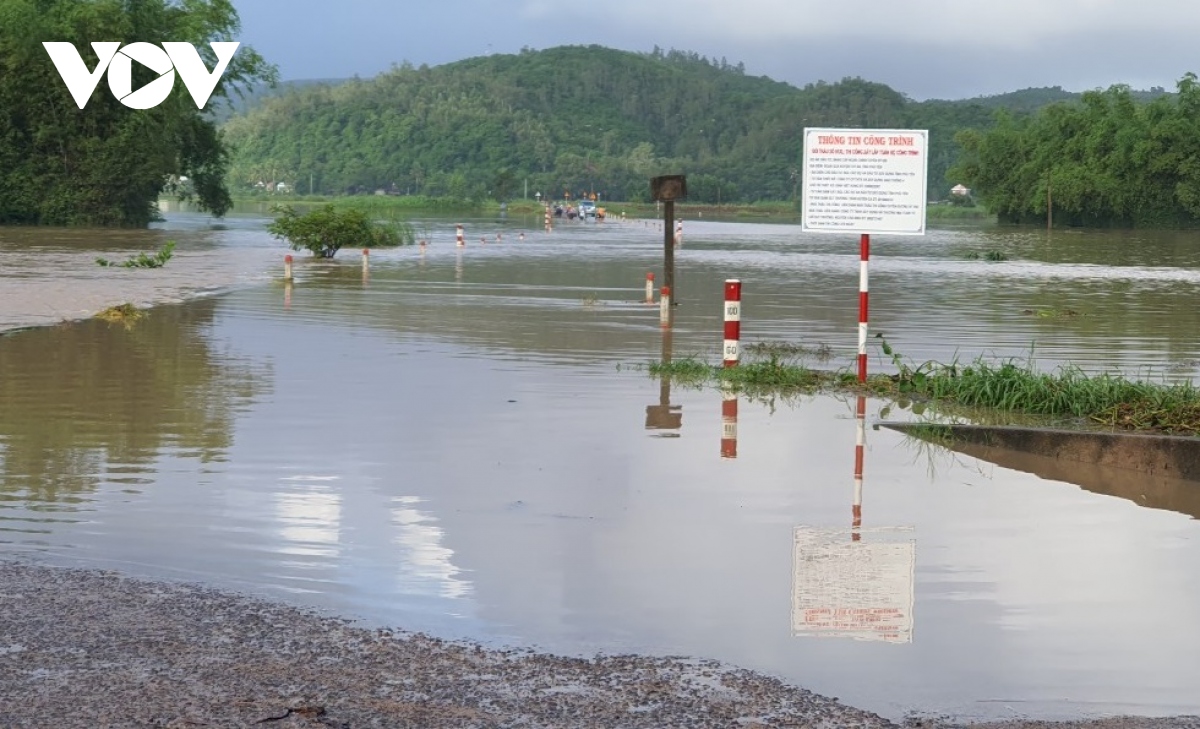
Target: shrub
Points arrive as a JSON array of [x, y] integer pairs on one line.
[[325, 230]]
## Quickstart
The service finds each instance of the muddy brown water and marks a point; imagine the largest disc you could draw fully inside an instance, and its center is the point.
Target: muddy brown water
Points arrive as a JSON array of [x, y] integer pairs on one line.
[[457, 443]]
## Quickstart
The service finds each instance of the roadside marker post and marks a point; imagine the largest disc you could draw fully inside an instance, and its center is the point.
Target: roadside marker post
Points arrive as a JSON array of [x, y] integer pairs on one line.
[[733, 321]]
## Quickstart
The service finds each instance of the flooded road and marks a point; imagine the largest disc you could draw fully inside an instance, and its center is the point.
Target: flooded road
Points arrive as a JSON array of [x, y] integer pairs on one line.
[[458, 443]]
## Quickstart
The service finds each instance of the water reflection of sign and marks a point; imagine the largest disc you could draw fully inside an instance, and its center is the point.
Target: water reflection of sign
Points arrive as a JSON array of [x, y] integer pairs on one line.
[[854, 589]]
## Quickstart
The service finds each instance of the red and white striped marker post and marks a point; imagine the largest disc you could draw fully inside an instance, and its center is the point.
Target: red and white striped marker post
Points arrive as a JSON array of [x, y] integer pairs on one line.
[[860, 418], [649, 287], [548, 226], [864, 257], [664, 306], [366, 258], [729, 415], [458, 235], [733, 321], [287, 268], [679, 234]]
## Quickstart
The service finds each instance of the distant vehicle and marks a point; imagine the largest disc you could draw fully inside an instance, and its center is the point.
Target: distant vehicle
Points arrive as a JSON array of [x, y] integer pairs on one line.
[[587, 209]]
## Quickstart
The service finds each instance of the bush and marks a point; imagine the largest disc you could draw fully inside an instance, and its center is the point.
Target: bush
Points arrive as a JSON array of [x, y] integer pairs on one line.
[[325, 230]]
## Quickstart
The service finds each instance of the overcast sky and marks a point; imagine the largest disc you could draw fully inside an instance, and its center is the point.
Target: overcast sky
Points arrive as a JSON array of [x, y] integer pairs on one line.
[[926, 49]]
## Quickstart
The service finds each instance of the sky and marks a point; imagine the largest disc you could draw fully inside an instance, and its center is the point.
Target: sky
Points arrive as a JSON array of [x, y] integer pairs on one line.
[[925, 48]]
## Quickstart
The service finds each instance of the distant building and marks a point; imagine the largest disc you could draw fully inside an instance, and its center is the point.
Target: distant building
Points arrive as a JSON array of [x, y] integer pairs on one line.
[[960, 190]]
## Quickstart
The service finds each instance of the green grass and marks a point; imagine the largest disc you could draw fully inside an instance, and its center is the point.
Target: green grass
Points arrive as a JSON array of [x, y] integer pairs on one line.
[[957, 212], [1010, 386], [1106, 398]]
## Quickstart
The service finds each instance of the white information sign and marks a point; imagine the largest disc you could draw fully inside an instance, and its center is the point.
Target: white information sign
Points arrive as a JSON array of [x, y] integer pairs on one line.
[[863, 589], [865, 181]]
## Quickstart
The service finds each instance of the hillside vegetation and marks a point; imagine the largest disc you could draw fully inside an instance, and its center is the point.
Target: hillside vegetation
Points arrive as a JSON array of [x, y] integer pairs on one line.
[[569, 119], [1110, 160]]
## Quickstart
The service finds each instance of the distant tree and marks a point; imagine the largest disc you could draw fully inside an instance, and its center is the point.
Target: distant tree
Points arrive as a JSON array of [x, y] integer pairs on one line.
[[504, 186], [326, 230]]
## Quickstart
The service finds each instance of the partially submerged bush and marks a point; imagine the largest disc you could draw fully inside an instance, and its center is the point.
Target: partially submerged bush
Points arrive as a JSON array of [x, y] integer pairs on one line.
[[325, 230], [141, 260], [124, 313]]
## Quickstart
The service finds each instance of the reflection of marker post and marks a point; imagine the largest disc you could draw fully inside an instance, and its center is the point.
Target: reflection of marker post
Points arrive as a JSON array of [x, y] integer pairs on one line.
[[860, 418], [287, 294], [733, 321], [679, 234], [864, 256], [458, 267], [664, 306], [458, 236], [649, 288], [287, 268], [668, 247], [729, 415]]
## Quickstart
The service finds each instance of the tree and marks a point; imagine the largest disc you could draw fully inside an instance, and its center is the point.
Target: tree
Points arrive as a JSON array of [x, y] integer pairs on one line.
[[106, 164], [327, 230]]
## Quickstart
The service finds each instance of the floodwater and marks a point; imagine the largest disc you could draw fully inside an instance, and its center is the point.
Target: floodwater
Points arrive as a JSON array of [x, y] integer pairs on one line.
[[457, 442]]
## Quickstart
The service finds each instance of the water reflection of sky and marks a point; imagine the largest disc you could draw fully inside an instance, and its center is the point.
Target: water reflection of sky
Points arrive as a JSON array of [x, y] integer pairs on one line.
[[433, 461]]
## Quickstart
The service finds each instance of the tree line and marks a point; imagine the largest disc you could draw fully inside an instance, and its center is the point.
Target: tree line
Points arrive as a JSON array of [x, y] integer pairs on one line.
[[566, 120], [570, 120], [1109, 160]]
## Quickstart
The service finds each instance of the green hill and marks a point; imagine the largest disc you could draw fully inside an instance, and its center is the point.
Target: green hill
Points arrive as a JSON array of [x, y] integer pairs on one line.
[[575, 119]]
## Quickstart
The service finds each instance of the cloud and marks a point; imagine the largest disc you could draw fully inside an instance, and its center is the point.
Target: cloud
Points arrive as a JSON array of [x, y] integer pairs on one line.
[[1013, 25]]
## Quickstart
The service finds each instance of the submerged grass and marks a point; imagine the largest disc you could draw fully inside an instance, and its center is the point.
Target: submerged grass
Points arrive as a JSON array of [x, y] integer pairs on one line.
[[121, 313], [1010, 386]]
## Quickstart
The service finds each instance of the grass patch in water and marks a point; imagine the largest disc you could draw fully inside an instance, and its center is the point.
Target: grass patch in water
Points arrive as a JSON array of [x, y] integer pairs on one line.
[[1010, 386], [141, 260], [783, 350], [1107, 399]]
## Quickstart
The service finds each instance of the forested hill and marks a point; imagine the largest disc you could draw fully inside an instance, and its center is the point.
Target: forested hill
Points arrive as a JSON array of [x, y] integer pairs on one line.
[[569, 118]]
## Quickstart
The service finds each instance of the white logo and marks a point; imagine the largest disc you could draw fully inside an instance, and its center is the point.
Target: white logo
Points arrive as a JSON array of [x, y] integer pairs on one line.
[[182, 57]]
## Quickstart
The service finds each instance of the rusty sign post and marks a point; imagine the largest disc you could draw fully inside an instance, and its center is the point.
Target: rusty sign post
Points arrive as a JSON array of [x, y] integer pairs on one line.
[[667, 189]]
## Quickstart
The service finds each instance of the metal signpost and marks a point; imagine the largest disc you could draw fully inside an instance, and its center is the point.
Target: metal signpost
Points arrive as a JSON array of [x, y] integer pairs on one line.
[[667, 189], [865, 181]]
